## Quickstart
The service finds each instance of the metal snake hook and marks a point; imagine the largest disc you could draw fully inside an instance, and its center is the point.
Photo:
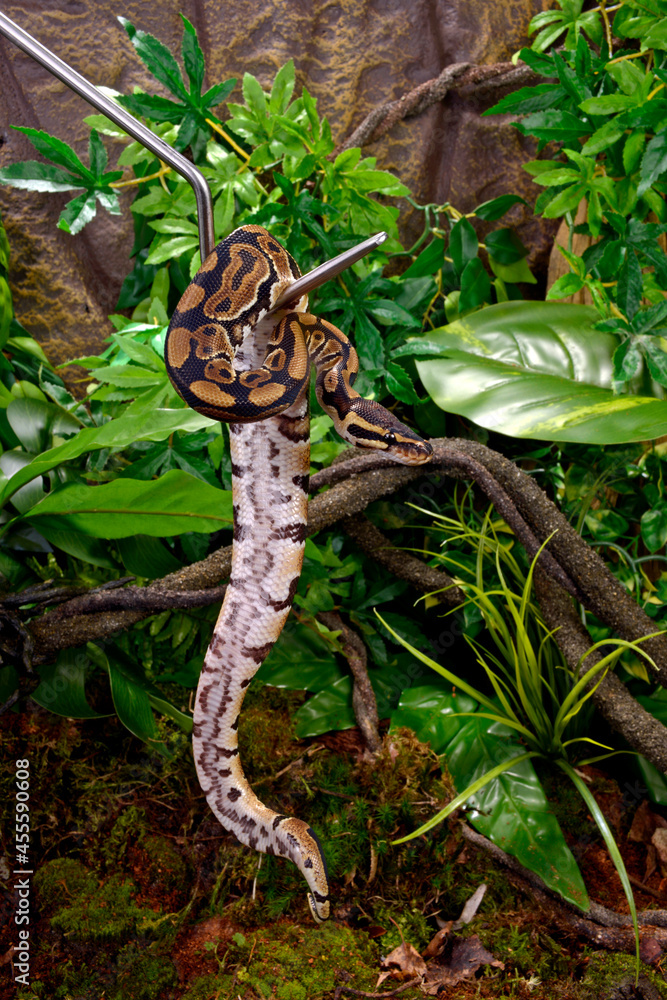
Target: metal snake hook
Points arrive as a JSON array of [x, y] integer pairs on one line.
[[165, 152]]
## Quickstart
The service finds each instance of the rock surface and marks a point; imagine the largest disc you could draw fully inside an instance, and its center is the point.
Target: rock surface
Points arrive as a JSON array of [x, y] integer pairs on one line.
[[352, 56]]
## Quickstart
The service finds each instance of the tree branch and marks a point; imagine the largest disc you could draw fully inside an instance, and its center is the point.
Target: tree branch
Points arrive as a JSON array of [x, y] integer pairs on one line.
[[611, 697], [426, 579], [352, 484], [363, 696], [465, 78]]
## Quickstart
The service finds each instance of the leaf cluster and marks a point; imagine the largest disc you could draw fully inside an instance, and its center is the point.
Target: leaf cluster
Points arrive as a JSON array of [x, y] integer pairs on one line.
[[602, 120]]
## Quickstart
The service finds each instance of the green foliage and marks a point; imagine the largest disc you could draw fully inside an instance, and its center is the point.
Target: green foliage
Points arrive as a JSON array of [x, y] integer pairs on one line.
[[607, 114], [537, 710], [129, 480], [67, 173], [537, 370]]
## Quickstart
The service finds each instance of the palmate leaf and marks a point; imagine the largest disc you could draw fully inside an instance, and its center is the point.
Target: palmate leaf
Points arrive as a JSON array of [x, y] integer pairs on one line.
[[57, 151], [157, 58], [35, 176], [31, 175], [193, 58]]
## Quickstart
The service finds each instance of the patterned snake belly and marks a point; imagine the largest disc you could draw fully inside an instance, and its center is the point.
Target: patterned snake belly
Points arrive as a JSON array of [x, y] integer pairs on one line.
[[228, 362]]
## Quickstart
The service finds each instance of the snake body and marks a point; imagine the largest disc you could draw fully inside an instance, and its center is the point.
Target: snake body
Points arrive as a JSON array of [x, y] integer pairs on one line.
[[228, 361]]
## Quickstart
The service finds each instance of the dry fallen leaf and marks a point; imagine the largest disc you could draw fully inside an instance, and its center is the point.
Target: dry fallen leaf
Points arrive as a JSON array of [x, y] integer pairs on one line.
[[467, 957], [659, 841], [403, 962], [644, 823]]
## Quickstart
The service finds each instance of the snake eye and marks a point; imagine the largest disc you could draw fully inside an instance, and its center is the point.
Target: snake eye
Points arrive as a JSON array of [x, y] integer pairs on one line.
[[389, 438]]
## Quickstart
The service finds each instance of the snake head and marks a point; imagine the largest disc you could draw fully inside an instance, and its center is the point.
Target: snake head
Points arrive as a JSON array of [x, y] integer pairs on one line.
[[370, 425]]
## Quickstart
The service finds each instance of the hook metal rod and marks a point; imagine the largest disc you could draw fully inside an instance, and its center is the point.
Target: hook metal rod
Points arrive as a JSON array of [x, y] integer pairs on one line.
[[328, 270], [165, 152], [125, 120]]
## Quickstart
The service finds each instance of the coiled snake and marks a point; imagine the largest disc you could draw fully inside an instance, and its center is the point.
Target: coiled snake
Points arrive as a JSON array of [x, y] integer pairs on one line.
[[228, 363]]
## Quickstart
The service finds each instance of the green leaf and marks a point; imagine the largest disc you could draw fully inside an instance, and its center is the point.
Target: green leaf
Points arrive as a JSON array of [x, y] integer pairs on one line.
[[97, 154], [253, 95], [654, 527], [512, 810], [567, 284], [62, 687], [524, 101], [33, 176], [463, 244], [148, 557], [56, 150], [281, 91], [301, 660], [629, 285], [505, 246], [430, 711], [157, 58], [330, 709], [537, 370], [218, 93], [654, 162], [171, 505], [400, 384], [132, 705], [475, 286], [170, 249], [555, 126], [497, 207], [429, 261], [78, 212], [609, 104], [627, 361], [118, 433], [193, 58]]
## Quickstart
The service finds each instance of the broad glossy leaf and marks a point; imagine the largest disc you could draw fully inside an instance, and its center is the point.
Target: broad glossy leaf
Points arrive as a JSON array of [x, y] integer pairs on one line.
[[537, 370], [62, 687], [175, 503], [328, 710], [512, 810], [429, 710], [301, 660], [463, 244], [148, 557], [132, 705], [118, 433], [75, 543], [33, 421]]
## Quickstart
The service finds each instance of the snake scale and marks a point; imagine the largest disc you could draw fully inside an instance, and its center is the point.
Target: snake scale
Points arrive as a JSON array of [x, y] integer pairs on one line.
[[229, 360]]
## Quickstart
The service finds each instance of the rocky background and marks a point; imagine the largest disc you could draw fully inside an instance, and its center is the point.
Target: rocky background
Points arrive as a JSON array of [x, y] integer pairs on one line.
[[352, 55]]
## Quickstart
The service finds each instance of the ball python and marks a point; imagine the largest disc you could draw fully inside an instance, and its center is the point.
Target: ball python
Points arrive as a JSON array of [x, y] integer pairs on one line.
[[231, 361]]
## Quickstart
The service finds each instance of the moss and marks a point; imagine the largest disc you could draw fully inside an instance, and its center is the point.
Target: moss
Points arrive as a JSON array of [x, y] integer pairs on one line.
[[61, 879], [607, 970], [92, 911], [165, 865], [142, 976], [289, 962], [408, 924]]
